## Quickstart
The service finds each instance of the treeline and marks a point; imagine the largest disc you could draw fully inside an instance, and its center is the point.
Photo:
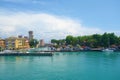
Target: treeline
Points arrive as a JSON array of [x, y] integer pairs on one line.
[[93, 41]]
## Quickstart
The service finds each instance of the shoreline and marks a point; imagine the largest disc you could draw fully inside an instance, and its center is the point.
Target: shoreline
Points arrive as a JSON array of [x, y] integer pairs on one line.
[[46, 53]]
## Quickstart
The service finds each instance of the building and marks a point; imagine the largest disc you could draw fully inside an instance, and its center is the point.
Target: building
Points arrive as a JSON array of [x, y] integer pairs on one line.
[[2, 43], [30, 35], [42, 43], [13, 43], [19, 36], [27, 45], [26, 37], [10, 43], [21, 43]]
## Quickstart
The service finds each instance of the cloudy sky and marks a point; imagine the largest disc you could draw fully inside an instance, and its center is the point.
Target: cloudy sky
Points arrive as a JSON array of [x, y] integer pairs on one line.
[[58, 18]]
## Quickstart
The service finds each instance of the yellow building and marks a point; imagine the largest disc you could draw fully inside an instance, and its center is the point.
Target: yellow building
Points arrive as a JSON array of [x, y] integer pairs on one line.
[[2, 43], [21, 43], [13, 43], [10, 43]]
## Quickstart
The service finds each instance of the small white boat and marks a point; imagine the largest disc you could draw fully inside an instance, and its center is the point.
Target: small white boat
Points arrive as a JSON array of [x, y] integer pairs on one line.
[[107, 50]]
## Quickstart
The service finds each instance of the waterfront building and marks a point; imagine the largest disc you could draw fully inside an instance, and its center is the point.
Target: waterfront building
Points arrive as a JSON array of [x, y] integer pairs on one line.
[[13, 43], [2, 43], [26, 37], [21, 43], [10, 43], [30, 35], [27, 45], [19, 36], [42, 43]]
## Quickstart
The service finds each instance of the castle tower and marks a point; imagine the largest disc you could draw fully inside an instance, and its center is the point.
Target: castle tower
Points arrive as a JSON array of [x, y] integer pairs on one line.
[[42, 42], [30, 35]]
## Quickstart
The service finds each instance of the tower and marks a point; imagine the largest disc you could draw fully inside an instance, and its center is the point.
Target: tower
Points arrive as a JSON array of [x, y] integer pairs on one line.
[[42, 42], [30, 35]]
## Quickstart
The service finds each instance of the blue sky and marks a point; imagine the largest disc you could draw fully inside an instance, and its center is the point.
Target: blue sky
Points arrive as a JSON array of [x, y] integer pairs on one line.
[[83, 17]]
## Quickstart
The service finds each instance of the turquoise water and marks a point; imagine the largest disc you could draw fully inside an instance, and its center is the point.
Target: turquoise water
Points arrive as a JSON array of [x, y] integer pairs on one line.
[[62, 66]]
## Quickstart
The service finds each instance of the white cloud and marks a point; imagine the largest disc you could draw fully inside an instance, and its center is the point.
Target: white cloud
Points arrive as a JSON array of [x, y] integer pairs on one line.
[[44, 25]]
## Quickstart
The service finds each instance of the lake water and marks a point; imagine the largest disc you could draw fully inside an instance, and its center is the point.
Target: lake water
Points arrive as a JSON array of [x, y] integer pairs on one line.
[[62, 66]]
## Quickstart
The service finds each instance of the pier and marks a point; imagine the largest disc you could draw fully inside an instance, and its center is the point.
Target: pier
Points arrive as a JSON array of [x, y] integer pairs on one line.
[[27, 54]]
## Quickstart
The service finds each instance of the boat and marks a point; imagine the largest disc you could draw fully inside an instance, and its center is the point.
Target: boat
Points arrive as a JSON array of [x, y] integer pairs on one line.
[[108, 50]]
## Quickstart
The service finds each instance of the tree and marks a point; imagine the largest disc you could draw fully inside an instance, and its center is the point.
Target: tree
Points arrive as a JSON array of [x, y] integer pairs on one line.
[[96, 40], [105, 40], [113, 39], [33, 43], [74, 41], [69, 39], [61, 41], [0, 48]]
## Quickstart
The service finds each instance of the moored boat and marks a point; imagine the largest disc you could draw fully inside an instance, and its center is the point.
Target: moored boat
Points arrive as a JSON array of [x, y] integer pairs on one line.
[[108, 50]]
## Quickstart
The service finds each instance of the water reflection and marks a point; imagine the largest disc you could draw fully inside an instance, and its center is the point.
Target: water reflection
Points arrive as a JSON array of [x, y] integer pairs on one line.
[[99, 55], [17, 59], [67, 53], [90, 54], [62, 65]]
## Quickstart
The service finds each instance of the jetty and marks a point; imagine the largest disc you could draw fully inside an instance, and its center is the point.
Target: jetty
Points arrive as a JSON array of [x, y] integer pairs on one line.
[[27, 54]]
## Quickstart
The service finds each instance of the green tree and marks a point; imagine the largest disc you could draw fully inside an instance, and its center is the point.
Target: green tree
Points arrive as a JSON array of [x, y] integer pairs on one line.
[[61, 41], [118, 41], [96, 40], [105, 40], [33, 43], [113, 39], [75, 41], [54, 41], [69, 39], [0, 48]]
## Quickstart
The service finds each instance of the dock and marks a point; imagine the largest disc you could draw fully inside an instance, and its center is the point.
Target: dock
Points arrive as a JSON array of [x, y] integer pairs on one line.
[[27, 54]]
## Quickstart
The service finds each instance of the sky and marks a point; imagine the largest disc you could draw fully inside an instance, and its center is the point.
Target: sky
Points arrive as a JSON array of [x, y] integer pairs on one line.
[[55, 19]]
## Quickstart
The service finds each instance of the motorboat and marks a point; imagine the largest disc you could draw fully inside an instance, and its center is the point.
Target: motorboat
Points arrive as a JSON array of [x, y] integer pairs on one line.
[[108, 50]]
